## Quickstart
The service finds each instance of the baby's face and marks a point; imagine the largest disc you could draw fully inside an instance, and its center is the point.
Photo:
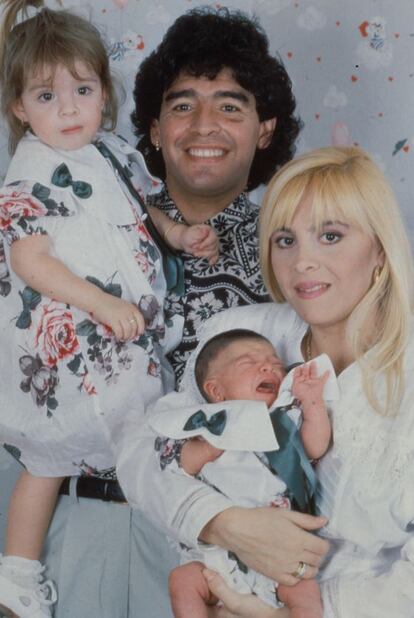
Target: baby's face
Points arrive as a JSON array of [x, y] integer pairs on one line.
[[246, 369]]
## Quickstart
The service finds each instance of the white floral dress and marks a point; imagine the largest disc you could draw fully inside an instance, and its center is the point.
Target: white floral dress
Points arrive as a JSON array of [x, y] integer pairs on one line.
[[67, 384]]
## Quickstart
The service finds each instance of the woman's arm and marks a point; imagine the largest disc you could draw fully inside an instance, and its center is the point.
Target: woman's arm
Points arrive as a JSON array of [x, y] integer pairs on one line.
[[31, 261]]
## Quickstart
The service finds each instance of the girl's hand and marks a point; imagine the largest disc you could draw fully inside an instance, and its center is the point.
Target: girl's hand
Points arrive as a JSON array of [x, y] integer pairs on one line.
[[238, 605], [201, 241], [123, 318]]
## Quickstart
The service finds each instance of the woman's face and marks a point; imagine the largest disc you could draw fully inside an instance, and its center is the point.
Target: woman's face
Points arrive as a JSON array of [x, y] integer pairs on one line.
[[324, 273]]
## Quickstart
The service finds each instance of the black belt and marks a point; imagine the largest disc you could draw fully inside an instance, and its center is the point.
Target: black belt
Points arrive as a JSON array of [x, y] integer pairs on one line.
[[95, 488]]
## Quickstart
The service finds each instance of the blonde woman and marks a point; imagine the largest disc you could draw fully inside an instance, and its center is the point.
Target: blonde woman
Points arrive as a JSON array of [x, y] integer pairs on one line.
[[335, 252]]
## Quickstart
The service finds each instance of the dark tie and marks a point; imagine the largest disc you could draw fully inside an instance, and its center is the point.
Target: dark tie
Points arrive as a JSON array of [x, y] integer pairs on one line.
[[172, 263], [290, 462]]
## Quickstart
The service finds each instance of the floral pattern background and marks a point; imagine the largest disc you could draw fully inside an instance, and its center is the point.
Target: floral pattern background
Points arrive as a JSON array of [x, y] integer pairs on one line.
[[350, 63]]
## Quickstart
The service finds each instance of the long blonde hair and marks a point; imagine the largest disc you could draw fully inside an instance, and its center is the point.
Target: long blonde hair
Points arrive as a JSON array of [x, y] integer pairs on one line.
[[346, 184], [48, 39]]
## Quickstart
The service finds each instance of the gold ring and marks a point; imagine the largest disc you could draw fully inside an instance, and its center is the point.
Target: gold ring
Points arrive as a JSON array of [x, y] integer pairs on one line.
[[300, 571], [132, 321]]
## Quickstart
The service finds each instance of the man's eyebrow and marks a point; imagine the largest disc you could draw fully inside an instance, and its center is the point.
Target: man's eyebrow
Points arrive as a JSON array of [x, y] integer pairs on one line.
[[191, 93]]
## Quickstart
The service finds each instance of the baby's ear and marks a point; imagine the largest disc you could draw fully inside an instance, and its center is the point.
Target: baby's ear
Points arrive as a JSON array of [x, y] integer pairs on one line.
[[213, 389], [18, 111]]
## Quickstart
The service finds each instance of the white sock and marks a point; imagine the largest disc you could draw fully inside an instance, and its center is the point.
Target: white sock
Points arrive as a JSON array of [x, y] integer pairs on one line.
[[21, 571]]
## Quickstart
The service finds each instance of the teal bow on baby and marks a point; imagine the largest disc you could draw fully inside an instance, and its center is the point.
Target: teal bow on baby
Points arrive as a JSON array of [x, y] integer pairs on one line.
[[215, 424], [290, 462], [63, 178]]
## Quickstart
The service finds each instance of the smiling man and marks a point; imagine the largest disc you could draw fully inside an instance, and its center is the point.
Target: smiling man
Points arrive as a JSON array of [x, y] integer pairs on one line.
[[215, 118]]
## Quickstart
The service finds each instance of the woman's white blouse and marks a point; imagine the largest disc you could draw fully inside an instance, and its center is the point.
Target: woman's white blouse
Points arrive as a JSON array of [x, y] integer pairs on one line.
[[366, 478]]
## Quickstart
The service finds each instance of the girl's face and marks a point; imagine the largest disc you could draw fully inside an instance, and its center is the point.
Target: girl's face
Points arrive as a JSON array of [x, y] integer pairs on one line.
[[64, 111], [323, 273]]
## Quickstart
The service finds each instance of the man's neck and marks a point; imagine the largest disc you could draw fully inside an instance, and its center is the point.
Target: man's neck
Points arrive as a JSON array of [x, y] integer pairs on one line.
[[197, 208]]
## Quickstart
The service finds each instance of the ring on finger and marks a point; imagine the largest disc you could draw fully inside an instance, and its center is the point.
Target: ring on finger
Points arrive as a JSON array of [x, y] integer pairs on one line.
[[132, 321], [299, 573]]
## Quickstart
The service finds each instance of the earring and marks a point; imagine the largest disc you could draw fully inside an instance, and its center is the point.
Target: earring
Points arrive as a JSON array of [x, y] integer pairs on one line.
[[157, 146], [376, 274]]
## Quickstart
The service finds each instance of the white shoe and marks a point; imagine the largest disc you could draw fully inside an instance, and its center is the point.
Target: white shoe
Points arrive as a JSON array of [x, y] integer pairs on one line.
[[27, 602]]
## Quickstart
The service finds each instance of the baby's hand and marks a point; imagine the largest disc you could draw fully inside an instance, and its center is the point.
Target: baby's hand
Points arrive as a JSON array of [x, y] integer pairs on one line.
[[195, 453], [307, 385], [201, 241], [123, 318]]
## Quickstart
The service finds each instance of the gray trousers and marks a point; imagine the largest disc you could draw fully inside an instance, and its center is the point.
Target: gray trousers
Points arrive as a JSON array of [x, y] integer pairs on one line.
[[107, 561]]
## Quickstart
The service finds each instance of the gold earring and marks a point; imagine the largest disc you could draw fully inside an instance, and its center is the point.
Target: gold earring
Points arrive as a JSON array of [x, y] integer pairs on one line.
[[157, 146], [376, 274]]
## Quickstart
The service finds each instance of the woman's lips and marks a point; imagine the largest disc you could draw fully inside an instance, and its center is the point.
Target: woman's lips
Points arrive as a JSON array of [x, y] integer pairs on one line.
[[311, 289]]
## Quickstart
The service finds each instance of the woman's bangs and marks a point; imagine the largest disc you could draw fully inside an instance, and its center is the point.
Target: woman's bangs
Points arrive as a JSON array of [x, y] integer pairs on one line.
[[337, 199]]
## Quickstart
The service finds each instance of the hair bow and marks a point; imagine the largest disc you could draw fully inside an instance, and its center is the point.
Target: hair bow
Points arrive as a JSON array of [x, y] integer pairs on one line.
[[63, 178], [215, 424]]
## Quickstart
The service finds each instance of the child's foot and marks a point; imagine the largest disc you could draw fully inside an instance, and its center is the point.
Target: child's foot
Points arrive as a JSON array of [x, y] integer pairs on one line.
[[25, 596]]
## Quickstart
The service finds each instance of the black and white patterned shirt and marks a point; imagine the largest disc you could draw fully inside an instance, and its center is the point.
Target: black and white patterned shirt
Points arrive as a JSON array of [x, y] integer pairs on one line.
[[233, 281]]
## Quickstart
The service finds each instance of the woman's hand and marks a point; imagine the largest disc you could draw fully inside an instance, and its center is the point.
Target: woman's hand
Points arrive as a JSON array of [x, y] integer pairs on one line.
[[269, 540], [238, 605]]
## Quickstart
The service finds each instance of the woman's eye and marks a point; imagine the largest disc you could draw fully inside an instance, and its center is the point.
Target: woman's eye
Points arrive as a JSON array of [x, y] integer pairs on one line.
[[331, 237], [283, 242]]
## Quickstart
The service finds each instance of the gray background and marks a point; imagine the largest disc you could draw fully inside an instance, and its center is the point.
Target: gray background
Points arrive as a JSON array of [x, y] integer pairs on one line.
[[351, 63]]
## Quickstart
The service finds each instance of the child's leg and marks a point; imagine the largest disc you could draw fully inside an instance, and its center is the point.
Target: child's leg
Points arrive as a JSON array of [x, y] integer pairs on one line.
[[30, 510], [189, 592], [303, 599]]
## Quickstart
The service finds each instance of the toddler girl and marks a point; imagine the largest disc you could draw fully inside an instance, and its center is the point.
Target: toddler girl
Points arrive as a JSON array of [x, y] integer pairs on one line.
[[83, 334]]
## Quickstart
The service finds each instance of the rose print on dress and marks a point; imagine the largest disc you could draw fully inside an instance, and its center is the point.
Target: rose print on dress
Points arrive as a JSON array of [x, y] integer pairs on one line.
[[55, 336], [40, 381]]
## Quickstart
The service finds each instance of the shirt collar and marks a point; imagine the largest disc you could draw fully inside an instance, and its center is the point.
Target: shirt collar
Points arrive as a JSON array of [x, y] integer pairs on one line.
[[241, 208]]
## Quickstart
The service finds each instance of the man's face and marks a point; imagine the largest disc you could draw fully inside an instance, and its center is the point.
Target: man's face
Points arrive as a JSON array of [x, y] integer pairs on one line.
[[208, 131]]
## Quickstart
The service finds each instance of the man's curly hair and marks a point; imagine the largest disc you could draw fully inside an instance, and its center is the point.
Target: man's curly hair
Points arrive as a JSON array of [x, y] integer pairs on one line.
[[202, 42]]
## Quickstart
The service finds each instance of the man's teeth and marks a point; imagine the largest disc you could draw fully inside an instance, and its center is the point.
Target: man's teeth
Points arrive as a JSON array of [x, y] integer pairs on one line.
[[206, 152]]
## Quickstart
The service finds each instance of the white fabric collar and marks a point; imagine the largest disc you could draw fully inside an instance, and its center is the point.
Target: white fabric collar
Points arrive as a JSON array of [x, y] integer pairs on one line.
[[35, 161], [248, 426]]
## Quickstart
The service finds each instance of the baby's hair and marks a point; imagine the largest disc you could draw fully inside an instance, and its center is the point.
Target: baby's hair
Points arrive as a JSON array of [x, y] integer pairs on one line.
[[217, 344], [48, 39]]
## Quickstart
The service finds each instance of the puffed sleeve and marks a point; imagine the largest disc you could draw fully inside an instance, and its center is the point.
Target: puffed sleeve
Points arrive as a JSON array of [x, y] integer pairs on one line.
[[375, 578], [28, 208], [386, 594]]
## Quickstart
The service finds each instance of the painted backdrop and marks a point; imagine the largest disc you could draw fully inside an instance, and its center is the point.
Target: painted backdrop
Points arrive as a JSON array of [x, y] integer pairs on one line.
[[352, 68]]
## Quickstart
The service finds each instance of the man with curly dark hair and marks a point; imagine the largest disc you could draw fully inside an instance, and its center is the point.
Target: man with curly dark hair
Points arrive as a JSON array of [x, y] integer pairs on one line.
[[214, 118]]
